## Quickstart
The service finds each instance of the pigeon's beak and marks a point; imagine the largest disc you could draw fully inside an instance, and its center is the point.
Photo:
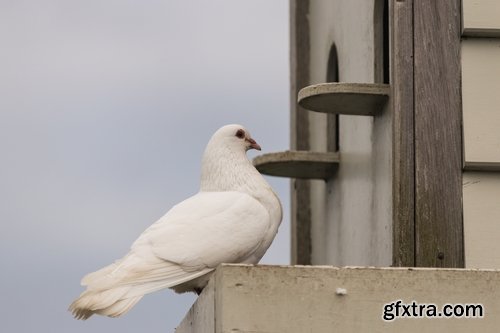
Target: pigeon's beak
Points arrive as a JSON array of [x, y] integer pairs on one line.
[[253, 144]]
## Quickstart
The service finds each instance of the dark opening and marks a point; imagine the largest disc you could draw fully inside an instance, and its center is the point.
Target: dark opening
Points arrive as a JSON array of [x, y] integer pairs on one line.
[[332, 71], [385, 28], [332, 75]]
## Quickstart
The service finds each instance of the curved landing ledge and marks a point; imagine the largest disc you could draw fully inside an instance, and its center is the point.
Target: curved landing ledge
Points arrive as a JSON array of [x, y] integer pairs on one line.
[[298, 164], [361, 99]]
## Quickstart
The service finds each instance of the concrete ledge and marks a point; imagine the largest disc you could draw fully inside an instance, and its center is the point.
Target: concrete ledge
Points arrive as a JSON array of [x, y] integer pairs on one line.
[[242, 298]]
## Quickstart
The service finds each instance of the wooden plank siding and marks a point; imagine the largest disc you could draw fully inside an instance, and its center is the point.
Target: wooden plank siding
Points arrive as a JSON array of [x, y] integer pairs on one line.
[[438, 141], [481, 18], [426, 131], [481, 191], [299, 136], [403, 165], [481, 103]]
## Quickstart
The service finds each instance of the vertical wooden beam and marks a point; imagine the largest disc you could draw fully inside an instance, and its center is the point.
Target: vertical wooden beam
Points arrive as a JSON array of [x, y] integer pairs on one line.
[[403, 184], [438, 143], [299, 130]]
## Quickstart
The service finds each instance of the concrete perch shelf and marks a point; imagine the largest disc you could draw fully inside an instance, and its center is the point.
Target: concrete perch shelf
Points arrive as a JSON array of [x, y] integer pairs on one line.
[[298, 164], [296, 299], [360, 99]]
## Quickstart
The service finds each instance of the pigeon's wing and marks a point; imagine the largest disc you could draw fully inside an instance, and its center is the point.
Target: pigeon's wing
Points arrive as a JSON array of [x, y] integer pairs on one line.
[[208, 229], [189, 241]]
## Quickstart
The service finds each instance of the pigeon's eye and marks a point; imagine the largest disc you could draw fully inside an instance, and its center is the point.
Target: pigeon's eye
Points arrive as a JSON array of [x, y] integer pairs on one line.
[[240, 134]]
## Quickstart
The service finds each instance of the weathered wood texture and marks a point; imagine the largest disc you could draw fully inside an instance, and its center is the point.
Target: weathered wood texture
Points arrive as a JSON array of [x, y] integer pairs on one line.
[[308, 299], [438, 142], [299, 136], [403, 190]]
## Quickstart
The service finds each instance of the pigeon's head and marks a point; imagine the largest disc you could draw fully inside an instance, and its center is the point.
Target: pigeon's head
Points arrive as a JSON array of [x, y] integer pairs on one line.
[[235, 136], [225, 165]]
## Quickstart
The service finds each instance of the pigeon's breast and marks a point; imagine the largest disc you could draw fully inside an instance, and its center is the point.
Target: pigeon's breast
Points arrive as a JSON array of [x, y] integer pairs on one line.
[[273, 205]]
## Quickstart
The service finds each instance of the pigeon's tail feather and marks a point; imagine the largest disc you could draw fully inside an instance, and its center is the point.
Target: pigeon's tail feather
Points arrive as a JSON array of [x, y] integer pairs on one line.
[[115, 289], [112, 303], [120, 307], [116, 301], [93, 277]]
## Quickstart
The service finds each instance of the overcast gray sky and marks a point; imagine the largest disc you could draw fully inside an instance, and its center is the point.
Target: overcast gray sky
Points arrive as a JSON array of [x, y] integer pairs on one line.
[[105, 109]]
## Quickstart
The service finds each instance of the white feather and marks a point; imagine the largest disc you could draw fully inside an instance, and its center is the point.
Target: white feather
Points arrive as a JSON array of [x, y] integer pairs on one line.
[[233, 219]]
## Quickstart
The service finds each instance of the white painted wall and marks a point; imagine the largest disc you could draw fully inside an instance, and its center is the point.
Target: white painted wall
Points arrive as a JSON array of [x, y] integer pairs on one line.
[[352, 213], [481, 125], [481, 101], [481, 198], [481, 18]]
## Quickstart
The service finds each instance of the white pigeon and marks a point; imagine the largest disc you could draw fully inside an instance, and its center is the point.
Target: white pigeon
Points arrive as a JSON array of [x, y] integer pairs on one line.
[[232, 219]]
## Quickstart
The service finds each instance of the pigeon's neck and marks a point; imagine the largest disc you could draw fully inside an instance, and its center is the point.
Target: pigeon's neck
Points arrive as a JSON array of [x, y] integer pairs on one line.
[[224, 169]]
